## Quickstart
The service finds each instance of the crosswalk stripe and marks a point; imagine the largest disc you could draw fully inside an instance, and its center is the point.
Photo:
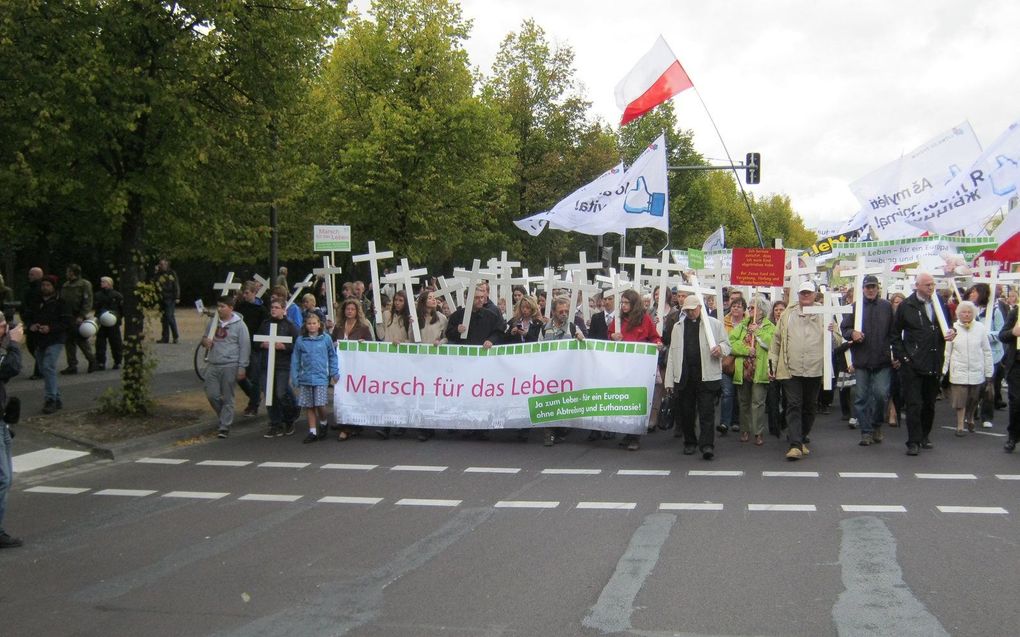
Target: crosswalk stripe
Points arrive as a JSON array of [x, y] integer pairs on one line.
[[269, 497], [986, 510], [418, 467], [781, 507], [867, 474], [135, 493], [690, 506], [729, 474], [161, 460], [349, 467], [425, 502], [613, 506], [44, 458], [643, 472], [526, 504], [572, 472], [347, 499], [196, 495], [224, 463], [789, 474], [1007, 476], [492, 470], [874, 508], [57, 490], [945, 476], [284, 465]]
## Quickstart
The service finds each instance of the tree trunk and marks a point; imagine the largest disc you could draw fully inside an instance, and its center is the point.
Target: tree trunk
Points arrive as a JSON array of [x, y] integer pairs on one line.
[[134, 397]]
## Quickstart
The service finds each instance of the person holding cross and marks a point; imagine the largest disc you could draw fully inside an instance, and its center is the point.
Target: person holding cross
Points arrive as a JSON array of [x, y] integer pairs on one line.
[[920, 333], [871, 353], [229, 354], [797, 360], [283, 408]]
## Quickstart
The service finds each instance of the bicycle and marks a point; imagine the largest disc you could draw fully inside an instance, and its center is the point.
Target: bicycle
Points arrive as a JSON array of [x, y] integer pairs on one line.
[[201, 356]]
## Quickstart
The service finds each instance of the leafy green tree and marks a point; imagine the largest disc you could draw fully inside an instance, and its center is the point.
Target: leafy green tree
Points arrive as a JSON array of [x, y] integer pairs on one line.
[[137, 125]]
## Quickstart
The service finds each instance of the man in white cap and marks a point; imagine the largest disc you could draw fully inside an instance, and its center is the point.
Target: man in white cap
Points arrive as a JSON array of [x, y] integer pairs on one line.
[[693, 373], [796, 359]]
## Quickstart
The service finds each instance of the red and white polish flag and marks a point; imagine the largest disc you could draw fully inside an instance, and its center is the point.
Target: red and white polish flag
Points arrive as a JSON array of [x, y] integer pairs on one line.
[[656, 77]]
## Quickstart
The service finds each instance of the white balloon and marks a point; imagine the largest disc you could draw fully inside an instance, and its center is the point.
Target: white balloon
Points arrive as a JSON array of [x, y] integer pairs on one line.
[[107, 319], [88, 328]]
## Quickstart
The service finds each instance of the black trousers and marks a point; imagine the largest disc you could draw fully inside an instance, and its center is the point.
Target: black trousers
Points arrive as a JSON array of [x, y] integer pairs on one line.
[[801, 404], [111, 334], [1013, 385], [919, 392], [696, 401]]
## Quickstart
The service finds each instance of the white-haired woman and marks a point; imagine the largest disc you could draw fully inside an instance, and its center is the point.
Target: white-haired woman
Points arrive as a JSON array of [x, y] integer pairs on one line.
[[969, 363]]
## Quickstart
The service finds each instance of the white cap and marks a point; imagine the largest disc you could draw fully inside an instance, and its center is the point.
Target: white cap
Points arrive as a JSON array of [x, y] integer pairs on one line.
[[806, 286]]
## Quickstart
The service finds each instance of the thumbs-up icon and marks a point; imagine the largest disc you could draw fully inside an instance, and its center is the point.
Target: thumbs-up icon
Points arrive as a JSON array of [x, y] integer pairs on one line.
[[639, 200]]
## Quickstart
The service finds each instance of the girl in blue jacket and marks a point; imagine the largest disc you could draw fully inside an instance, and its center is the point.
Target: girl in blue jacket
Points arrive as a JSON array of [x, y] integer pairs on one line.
[[313, 368]]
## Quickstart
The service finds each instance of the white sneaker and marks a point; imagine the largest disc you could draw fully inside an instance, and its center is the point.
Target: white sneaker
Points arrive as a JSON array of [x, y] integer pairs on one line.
[[987, 425], [853, 421]]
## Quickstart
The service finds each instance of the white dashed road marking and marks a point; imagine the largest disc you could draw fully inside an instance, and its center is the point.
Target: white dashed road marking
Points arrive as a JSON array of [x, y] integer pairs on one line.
[[57, 490], [269, 497], [945, 476], [611, 506], [526, 504], [197, 495], [867, 474], [419, 502], [284, 465], [418, 467], [789, 474], [161, 460], [690, 506], [728, 474], [43, 458], [643, 472], [781, 507], [572, 472], [985, 510], [347, 499], [224, 463], [874, 508], [350, 467], [1007, 476], [132, 493], [492, 470]]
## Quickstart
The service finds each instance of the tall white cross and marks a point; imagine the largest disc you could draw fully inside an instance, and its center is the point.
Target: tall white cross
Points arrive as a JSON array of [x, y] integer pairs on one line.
[[449, 290], [224, 289], [988, 273], [525, 281], [503, 270], [373, 259], [717, 276], [663, 266], [637, 262], [298, 287], [272, 339], [578, 284], [694, 288], [408, 278], [328, 271], [831, 312], [471, 278], [860, 270], [263, 285], [618, 284], [584, 264], [795, 274], [549, 283]]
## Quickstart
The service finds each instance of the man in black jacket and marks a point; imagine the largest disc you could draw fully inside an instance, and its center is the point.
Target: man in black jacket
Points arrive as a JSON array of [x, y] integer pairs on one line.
[[10, 366], [487, 325], [169, 287], [254, 313], [1010, 335], [108, 300], [599, 329], [919, 346], [51, 319], [871, 355], [29, 300]]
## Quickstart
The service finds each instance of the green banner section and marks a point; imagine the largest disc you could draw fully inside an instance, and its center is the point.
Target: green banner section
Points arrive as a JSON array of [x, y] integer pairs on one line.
[[589, 403], [695, 259], [453, 349]]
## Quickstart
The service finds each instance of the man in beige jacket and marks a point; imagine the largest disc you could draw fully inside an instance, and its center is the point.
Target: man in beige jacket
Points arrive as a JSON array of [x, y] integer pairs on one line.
[[796, 360]]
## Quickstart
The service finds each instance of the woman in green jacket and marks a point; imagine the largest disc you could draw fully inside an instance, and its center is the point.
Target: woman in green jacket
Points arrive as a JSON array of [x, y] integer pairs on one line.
[[750, 340]]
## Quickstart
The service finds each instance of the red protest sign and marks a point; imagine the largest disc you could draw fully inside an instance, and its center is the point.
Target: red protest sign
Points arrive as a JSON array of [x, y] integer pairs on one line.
[[760, 267]]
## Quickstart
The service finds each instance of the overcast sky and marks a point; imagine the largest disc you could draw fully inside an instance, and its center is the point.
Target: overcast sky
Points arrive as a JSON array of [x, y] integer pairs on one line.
[[825, 91]]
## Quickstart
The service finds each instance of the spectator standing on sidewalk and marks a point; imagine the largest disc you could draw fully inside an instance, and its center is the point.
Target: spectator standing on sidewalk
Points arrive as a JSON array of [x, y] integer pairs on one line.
[[109, 300], [50, 322], [10, 366], [77, 294], [30, 299], [169, 296]]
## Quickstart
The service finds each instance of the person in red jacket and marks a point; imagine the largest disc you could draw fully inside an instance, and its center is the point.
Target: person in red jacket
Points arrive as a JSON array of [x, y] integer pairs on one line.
[[633, 324]]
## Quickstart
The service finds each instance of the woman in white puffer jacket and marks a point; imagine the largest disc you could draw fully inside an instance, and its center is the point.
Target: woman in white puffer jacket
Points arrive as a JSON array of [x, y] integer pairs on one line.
[[969, 363]]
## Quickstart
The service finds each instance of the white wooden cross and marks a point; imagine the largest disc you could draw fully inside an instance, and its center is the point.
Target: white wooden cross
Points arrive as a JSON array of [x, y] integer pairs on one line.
[[988, 273], [831, 312], [298, 287], [618, 284], [502, 271], [584, 264], [472, 278], [694, 288], [263, 285], [549, 283], [794, 274], [664, 266], [224, 289], [858, 272], [408, 278], [716, 276], [449, 291], [328, 271], [373, 259], [272, 339], [579, 285], [525, 281], [889, 277], [940, 316], [637, 262]]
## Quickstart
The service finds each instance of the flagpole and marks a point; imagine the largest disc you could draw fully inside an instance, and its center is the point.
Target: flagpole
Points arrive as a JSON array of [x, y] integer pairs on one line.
[[757, 230]]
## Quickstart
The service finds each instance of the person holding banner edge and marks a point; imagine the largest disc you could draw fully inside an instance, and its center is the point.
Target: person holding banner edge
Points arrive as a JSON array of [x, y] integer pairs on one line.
[[633, 324]]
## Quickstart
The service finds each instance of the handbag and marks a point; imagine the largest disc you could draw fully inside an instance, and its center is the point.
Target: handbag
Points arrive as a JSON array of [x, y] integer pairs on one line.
[[729, 364], [665, 420]]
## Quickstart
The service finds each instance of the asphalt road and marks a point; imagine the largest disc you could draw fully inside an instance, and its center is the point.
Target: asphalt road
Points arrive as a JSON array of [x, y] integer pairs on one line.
[[454, 537]]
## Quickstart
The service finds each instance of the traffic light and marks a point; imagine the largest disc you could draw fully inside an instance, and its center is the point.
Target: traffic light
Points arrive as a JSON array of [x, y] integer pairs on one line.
[[753, 164]]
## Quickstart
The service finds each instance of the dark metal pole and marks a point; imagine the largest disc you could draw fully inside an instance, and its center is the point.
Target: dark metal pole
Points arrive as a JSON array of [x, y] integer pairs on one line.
[[274, 220]]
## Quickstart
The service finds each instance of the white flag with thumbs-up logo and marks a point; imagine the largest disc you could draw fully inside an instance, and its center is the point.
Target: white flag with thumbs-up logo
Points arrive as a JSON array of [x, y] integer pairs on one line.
[[617, 200]]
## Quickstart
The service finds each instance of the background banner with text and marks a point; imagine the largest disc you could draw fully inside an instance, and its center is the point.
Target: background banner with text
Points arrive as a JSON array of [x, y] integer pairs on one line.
[[592, 385]]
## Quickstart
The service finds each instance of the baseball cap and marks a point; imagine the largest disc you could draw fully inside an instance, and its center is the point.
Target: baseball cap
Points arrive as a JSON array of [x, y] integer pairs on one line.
[[806, 286], [870, 279], [691, 302]]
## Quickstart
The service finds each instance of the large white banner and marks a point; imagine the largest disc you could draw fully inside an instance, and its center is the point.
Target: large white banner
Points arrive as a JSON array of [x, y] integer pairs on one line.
[[968, 199], [929, 252], [616, 201], [890, 196], [592, 385]]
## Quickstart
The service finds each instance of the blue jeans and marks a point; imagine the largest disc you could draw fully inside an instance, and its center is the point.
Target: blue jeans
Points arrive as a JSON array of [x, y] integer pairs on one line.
[[729, 411], [48, 357], [870, 396], [6, 469], [168, 320]]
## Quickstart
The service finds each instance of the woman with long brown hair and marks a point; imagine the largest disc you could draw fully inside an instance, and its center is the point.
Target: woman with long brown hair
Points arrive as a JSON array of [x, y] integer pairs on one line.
[[633, 324]]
